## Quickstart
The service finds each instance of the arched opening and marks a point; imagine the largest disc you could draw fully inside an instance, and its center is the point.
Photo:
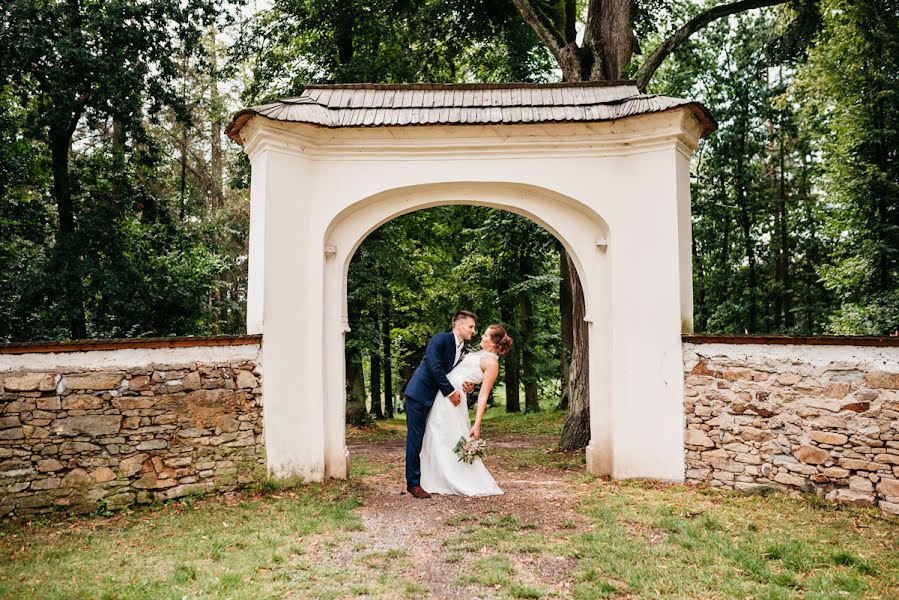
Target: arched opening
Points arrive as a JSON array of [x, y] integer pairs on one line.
[[583, 234]]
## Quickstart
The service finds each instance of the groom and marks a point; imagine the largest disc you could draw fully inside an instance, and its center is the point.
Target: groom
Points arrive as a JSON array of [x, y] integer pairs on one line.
[[443, 352]]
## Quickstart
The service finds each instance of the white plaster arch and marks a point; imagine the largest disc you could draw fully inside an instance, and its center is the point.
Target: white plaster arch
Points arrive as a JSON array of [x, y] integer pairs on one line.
[[316, 192], [579, 228]]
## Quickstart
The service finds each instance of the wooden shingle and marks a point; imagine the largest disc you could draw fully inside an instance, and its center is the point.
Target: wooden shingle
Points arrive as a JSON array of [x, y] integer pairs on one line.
[[371, 105]]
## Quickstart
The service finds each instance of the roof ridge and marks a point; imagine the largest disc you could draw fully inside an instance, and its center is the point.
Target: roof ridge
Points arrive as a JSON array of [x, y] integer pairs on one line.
[[468, 86]]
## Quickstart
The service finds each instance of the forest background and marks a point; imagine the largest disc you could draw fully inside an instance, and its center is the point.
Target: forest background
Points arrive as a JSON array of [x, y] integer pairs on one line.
[[124, 210]]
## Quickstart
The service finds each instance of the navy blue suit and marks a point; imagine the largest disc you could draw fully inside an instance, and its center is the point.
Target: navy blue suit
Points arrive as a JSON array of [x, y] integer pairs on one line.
[[429, 377]]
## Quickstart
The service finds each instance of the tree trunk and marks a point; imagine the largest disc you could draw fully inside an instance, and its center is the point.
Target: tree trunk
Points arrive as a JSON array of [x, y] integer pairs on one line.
[[355, 378], [531, 402], [746, 221], [787, 302], [62, 193], [510, 364], [576, 433], [215, 132], [616, 41], [567, 328], [355, 387], [388, 362], [375, 377]]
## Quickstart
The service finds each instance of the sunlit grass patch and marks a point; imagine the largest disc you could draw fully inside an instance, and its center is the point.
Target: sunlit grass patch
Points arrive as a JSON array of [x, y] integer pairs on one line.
[[459, 519], [210, 548], [504, 533], [489, 571], [395, 559], [684, 542], [521, 590]]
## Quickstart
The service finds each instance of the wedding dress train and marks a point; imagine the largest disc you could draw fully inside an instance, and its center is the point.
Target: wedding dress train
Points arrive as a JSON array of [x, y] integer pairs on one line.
[[441, 470]]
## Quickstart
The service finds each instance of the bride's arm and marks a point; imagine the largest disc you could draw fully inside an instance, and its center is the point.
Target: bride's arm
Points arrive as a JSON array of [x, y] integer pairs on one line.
[[491, 370]]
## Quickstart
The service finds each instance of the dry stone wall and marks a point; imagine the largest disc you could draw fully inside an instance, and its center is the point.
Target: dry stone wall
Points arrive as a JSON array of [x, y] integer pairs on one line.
[[73, 439], [798, 417]]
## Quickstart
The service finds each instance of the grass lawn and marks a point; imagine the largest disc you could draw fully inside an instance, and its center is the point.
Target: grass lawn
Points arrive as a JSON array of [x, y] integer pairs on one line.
[[628, 539]]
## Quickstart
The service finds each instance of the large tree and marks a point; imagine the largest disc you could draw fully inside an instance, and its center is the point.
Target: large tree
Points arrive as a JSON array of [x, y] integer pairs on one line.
[[609, 44], [72, 61]]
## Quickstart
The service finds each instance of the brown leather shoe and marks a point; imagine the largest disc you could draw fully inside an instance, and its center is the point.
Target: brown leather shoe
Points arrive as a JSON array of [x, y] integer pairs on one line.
[[417, 492]]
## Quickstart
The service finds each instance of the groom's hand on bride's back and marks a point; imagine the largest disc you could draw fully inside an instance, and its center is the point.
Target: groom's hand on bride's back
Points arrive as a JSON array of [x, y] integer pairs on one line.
[[467, 387], [455, 398]]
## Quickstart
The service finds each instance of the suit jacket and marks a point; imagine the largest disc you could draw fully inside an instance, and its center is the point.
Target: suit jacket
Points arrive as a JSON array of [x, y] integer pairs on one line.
[[430, 375]]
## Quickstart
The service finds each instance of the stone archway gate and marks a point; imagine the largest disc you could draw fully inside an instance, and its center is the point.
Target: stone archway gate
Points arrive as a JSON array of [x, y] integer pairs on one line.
[[604, 168]]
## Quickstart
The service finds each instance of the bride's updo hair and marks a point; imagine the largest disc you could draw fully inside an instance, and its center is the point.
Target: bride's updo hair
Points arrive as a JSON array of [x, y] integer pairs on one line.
[[501, 340]]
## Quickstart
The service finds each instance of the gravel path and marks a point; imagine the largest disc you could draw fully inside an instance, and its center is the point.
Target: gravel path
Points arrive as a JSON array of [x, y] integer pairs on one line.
[[541, 498]]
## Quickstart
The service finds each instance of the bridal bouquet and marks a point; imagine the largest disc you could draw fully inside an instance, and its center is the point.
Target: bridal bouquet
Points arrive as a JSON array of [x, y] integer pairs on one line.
[[467, 450]]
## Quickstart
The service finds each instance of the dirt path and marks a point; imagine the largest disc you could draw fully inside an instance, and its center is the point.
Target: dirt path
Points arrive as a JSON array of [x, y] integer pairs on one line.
[[439, 538]]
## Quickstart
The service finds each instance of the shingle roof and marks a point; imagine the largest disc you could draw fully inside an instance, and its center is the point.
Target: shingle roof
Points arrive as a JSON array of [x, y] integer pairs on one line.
[[373, 105]]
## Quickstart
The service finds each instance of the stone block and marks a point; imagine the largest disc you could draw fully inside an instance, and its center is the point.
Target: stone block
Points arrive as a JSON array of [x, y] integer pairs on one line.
[[827, 437], [149, 481], [50, 403], [27, 382], [737, 374], [17, 407], [788, 378], [49, 465], [76, 477], [77, 447], [153, 445], [11, 421], [858, 407], [139, 383], [802, 468], [831, 422], [93, 425], [890, 508], [756, 435], [188, 489], [120, 500], [192, 381], [103, 474], [850, 497], [82, 402], [13, 433], [860, 484], [811, 455], [132, 464], [787, 479], [134, 402], [836, 473], [823, 404], [882, 380], [193, 433], [891, 459], [93, 381], [836, 389], [130, 422], [855, 464], [889, 487], [51, 483]]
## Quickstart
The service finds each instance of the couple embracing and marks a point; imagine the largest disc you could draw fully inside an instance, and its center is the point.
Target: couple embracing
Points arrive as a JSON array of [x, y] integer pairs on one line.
[[437, 410]]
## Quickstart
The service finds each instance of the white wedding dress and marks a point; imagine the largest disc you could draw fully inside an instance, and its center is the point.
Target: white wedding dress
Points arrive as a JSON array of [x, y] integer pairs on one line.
[[441, 470]]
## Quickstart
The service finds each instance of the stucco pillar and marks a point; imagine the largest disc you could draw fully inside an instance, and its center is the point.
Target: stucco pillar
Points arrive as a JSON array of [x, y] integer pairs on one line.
[[647, 297], [292, 313]]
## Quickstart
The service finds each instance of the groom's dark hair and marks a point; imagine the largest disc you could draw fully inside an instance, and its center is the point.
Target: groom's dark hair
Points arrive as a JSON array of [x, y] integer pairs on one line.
[[464, 314]]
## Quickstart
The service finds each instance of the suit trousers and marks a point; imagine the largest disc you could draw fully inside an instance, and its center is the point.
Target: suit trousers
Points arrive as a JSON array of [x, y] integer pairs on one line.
[[416, 420]]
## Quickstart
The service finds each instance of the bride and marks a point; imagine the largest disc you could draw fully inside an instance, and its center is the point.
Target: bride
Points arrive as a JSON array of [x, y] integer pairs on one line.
[[441, 470]]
